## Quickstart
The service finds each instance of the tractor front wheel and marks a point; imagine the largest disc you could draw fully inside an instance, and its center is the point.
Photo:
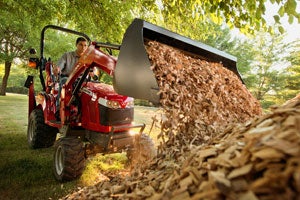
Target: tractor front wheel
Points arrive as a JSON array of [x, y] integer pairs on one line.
[[39, 134], [69, 159]]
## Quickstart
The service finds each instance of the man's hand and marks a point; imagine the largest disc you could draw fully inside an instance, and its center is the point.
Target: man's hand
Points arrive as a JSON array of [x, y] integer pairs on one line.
[[55, 70]]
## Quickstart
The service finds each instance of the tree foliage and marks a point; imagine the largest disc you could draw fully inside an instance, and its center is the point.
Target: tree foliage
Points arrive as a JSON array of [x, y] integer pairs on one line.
[[107, 20], [248, 16]]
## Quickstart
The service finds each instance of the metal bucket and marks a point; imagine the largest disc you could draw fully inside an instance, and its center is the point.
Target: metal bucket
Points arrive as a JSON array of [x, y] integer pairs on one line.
[[133, 76]]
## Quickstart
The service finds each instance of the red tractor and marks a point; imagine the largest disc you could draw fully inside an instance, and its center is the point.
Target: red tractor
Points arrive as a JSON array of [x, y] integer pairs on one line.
[[93, 117], [96, 117]]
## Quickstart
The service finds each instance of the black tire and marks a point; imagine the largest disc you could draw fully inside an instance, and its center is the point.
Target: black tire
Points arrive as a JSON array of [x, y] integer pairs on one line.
[[39, 134], [142, 151], [69, 159]]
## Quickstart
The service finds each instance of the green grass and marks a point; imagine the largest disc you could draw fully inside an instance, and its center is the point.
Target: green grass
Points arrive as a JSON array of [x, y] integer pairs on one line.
[[27, 173]]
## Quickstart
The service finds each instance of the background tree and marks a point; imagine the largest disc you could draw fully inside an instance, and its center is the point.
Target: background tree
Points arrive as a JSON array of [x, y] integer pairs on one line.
[[292, 83], [12, 43], [18, 20], [266, 77]]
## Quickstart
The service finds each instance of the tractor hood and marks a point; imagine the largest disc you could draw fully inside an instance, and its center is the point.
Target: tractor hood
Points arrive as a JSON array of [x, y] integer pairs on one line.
[[105, 93]]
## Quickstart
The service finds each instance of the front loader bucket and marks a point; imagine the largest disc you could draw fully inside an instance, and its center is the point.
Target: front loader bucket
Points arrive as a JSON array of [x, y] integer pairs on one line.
[[133, 76]]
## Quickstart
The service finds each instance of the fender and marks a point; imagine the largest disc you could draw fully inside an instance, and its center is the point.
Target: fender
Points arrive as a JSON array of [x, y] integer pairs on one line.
[[29, 83]]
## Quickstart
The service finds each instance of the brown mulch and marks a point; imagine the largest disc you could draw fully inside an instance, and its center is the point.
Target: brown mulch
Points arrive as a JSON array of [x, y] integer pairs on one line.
[[199, 98], [216, 142]]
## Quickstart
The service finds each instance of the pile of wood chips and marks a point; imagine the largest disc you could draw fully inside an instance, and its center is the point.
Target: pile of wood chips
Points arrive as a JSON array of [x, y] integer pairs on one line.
[[217, 144], [257, 160]]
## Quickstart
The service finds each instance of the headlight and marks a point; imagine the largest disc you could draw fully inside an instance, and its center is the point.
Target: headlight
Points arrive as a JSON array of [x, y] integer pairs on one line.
[[113, 104], [130, 104]]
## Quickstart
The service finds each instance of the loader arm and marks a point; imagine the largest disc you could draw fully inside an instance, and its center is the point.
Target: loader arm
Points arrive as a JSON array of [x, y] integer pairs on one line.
[[92, 57], [133, 76]]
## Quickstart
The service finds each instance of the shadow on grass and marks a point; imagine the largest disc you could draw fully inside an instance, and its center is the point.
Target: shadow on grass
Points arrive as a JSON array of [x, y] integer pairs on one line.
[[26, 173]]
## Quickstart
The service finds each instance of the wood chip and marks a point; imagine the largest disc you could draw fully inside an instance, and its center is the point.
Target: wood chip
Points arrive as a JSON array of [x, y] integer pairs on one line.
[[240, 171]]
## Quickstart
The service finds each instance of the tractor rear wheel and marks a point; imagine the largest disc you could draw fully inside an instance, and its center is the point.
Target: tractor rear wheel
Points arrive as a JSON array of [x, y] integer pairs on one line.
[[39, 134], [69, 159], [142, 151]]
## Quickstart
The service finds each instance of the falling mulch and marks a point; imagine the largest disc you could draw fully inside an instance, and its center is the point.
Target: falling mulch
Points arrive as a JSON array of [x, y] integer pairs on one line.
[[216, 143], [199, 98]]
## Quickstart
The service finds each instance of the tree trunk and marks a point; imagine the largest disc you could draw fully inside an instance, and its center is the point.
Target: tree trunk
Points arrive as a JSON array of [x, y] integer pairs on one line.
[[5, 78]]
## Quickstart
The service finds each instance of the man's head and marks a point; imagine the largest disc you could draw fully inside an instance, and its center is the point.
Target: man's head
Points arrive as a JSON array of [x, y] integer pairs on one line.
[[81, 45]]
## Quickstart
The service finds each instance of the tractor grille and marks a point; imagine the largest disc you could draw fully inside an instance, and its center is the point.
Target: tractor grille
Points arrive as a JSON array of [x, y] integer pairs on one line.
[[109, 117]]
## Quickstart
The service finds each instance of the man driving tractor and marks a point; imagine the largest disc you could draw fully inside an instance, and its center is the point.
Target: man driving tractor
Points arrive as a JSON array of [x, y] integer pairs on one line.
[[66, 64]]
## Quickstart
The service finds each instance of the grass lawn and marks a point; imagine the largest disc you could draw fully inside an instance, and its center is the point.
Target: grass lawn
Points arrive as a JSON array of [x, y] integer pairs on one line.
[[27, 173]]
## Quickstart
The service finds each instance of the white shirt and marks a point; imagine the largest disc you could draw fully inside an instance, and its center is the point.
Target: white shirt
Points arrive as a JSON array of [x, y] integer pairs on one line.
[[67, 62]]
